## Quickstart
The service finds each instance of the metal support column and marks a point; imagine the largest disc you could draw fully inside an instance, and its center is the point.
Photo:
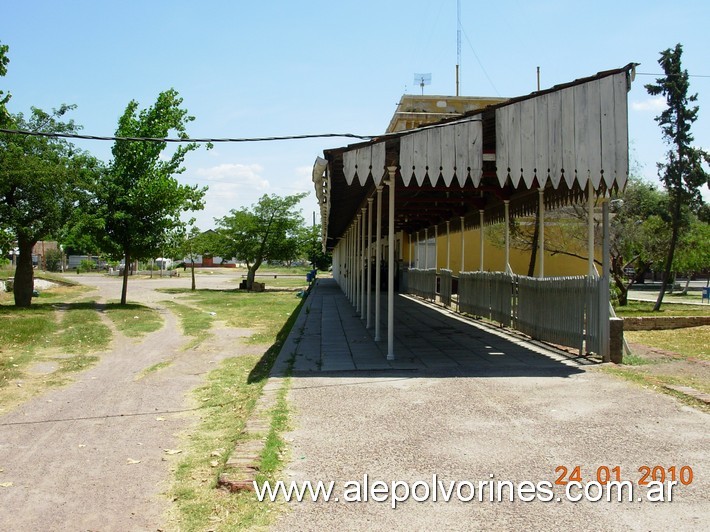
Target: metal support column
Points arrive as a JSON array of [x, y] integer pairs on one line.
[[590, 229], [481, 239], [363, 265], [604, 293], [463, 255], [506, 206], [448, 245], [426, 248], [391, 265], [541, 233], [378, 268], [368, 306]]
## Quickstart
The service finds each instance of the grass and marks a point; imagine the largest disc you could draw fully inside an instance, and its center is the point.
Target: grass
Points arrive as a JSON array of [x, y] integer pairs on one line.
[[636, 360], [23, 333], [82, 330], [644, 308], [57, 330], [155, 367], [134, 320], [264, 312], [272, 455], [195, 322], [657, 383], [655, 371], [293, 283], [228, 399], [690, 342]]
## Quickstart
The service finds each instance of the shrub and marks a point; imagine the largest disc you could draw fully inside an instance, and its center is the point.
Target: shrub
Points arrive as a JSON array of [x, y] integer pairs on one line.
[[53, 260], [86, 266]]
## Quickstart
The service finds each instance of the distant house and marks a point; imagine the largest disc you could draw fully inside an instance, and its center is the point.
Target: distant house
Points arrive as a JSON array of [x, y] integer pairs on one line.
[[210, 261], [40, 250]]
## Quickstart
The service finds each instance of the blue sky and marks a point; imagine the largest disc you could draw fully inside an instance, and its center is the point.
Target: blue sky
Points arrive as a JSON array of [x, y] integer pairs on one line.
[[273, 68]]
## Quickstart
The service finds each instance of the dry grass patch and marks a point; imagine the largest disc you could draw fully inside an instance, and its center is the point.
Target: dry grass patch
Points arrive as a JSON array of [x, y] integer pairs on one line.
[[689, 342]]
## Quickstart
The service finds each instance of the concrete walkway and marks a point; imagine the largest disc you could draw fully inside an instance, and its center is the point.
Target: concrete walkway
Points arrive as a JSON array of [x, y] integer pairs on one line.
[[330, 336], [468, 404]]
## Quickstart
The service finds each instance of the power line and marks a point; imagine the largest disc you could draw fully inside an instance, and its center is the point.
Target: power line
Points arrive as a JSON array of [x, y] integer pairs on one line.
[[665, 75], [181, 140], [479, 61]]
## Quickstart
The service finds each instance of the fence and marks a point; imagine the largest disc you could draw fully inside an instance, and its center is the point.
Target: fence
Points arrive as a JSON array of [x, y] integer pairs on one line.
[[445, 283], [561, 310], [422, 283]]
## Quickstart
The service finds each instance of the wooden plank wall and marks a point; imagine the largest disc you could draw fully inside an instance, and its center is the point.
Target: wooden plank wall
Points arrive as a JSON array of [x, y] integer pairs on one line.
[[579, 133]]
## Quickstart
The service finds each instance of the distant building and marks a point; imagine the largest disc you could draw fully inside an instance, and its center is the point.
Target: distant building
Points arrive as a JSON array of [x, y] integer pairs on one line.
[[414, 111]]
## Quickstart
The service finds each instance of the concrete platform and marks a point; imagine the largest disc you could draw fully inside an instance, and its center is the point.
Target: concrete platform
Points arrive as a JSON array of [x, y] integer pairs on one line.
[[330, 336]]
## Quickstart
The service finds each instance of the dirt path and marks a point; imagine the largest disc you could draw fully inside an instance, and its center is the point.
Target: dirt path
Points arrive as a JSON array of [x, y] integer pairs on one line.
[[92, 455]]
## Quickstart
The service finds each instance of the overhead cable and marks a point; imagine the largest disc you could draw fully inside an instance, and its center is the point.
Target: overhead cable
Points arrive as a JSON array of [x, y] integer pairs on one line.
[[180, 140]]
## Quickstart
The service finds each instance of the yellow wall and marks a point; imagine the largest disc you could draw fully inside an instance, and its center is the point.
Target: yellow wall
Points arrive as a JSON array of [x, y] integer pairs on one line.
[[494, 257]]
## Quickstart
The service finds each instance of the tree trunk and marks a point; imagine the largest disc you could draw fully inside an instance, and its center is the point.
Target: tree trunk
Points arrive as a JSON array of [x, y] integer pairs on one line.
[[533, 250], [623, 290], [24, 273], [193, 275], [124, 289], [687, 284], [669, 259], [251, 273]]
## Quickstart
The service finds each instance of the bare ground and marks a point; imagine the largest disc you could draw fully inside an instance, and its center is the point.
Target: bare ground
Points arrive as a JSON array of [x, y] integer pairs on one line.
[[97, 454]]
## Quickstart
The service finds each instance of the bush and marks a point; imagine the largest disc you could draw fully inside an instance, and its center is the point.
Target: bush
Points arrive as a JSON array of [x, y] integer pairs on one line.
[[53, 260], [86, 266]]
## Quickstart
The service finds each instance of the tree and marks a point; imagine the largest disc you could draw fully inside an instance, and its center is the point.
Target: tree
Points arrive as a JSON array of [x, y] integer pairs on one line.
[[4, 98], [311, 247], [693, 253], [631, 245], [682, 174], [138, 201], [267, 231], [41, 179], [188, 245]]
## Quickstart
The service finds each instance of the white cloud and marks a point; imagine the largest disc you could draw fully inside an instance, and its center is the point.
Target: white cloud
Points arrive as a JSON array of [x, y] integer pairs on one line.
[[657, 103], [305, 178], [234, 176]]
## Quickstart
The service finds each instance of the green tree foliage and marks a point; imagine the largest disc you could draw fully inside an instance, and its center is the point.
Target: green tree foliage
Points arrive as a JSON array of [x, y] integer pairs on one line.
[[4, 98], [189, 245], [53, 259], [41, 181], [137, 201], [629, 244], [267, 231], [311, 246], [682, 174]]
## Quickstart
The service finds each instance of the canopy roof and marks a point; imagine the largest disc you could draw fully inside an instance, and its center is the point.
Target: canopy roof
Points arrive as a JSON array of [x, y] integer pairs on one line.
[[561, 140]]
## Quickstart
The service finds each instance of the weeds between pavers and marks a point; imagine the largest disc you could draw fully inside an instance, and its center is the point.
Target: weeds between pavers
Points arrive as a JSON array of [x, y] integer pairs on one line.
[[227, 401]]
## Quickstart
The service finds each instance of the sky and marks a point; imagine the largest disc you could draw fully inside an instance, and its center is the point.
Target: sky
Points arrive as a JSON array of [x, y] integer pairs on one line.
[[284, 67]]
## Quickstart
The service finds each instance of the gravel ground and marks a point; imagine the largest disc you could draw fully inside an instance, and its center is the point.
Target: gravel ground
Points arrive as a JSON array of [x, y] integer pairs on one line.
[[468, 428], [92, 455]]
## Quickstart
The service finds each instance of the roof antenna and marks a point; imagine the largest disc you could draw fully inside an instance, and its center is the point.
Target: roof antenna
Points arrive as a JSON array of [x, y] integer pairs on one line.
[[422, 79], [538, 79]]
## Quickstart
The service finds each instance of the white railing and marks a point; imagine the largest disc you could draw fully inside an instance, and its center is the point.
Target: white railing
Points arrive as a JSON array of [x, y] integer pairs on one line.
[[487, 294], [445, 282], [553, 309], [560, 310], [422, 283]]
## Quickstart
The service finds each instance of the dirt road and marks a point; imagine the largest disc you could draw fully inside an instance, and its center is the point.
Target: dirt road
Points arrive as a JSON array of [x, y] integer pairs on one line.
[[92, 455]]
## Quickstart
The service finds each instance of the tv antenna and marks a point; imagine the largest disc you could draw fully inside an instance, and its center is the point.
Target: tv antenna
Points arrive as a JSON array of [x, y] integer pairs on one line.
[[421, 80]]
